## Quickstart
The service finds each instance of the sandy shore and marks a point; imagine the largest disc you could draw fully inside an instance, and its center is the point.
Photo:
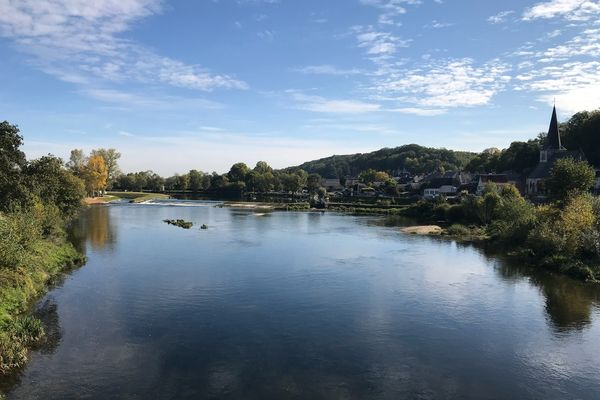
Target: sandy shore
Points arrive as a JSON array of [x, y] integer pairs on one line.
[[249, 206], [423, 230]]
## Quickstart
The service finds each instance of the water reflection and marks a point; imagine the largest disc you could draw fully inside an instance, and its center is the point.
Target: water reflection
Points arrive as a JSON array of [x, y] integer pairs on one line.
[[95, 229], [568, 303], [306, 305]]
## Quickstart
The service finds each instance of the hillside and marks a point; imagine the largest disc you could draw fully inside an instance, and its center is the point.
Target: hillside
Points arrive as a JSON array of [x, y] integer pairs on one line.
[[412, 158]]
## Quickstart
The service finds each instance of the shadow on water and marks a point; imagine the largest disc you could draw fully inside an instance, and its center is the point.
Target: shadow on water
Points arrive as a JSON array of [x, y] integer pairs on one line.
[[47, 312], [93, 229], [568, 303]]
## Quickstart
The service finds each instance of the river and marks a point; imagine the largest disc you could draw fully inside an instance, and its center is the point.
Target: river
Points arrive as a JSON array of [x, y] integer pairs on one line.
[[303, 306]]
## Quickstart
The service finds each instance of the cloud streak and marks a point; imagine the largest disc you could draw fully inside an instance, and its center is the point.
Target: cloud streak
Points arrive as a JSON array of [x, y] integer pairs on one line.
[[79, 41]]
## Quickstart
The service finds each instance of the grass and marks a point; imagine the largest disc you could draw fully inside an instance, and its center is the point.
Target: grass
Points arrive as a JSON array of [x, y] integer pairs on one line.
[[139, 197], [19, 287]]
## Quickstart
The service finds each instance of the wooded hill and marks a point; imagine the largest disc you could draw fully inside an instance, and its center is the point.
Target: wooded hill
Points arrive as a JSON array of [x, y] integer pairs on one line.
[[411, 158]]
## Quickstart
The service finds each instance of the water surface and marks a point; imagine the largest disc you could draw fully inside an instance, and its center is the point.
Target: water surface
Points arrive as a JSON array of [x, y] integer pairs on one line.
[[303, 305]]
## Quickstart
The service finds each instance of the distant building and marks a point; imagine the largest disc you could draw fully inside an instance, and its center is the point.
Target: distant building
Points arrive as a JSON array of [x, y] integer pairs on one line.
[[535, 184], [447, 184], [331, 184], [497, 179]]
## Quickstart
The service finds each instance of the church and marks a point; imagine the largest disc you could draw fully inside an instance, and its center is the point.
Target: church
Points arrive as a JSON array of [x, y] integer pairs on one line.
[[549, 154]]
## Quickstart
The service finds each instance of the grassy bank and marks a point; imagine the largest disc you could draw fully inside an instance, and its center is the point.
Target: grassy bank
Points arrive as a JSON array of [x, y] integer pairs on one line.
[[20, 286], [138, 197]]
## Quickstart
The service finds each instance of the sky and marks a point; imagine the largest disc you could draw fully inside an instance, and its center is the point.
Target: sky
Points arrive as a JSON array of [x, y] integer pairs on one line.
[[202, 84]]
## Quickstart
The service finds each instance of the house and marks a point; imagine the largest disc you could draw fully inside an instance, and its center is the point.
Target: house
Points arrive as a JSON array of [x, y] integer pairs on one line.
[[552, 151], [447, 184], [498, 179], [331, 184]]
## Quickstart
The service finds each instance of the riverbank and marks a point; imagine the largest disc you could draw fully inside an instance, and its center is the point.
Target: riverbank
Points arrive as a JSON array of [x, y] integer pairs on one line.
[[574, 268], [137, 197], [19, 288]]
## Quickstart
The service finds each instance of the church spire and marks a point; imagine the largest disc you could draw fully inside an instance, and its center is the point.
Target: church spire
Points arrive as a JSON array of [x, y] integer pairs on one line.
[[553, 133]]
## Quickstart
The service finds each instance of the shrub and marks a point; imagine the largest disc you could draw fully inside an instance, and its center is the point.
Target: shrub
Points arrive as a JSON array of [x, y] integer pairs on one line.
[[458, 230]]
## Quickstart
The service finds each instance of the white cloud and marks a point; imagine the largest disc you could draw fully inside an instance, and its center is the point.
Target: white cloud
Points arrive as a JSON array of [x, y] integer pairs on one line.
[[79, 41], [500, 17], [334, 106], [129, 100], [575, 85], [575, 10], [327, 69], [390, 9], [377, 43], [446, 84], [421, 112]]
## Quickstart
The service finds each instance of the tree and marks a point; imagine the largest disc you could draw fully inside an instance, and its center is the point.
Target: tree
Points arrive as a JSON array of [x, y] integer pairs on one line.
[[581, 132], [238, 172], [195, 178], [313, 183], [77, 162], [12, 161], [54, 185], [290, 182], [110, 156], [569, 177], [371, 176], [182, 182], [262, 167], [96, 175]]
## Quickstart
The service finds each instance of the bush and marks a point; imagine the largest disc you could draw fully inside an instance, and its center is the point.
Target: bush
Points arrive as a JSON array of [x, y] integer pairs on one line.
[[458, 230]]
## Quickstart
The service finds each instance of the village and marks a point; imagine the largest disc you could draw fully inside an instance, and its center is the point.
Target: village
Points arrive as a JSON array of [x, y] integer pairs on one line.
[[452, 184]]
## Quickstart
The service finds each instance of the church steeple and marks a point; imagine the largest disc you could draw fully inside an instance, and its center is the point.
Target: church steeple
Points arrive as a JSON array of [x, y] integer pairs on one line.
[[553, 133]]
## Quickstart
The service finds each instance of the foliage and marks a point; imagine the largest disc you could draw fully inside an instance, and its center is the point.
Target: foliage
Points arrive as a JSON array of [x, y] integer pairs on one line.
[[110, 157], [581, 132], [412, 158], [54, 185], [12, 162], [570, 177], [518, 157], [238, 172], [313, 182], [370, 176], [96, 175], [36, 199]]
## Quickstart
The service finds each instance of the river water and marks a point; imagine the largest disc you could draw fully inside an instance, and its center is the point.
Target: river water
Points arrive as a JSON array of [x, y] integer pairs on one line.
[[303, 306]]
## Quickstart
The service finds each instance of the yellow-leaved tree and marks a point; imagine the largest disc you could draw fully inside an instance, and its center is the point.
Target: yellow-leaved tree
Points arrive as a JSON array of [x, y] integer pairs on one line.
[[96, 175]]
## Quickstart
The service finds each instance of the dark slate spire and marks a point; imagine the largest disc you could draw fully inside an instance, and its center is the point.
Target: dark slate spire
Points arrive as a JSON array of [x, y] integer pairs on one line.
[[553, 133]]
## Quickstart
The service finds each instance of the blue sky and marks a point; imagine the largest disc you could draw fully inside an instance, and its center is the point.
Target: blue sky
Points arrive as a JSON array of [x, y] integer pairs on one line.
[[176, 85]]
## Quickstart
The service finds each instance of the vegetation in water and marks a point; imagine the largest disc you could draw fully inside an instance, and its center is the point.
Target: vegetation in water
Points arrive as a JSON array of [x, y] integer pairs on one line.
[[179, 222]]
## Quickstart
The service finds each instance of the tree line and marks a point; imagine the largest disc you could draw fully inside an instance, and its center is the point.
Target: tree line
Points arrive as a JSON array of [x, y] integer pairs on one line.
[[239, 179], [581, 131], [410, 158]]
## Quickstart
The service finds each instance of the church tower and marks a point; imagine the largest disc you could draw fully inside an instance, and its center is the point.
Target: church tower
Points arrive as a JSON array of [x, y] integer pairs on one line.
[[553, 143]]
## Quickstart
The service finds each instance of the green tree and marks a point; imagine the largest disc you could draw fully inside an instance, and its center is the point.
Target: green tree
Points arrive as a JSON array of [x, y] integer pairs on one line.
[[196, 181], [12, 162], [54, 185], [569, 177], [238, 172], [77, 162], [262, 167], [313, 182]]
